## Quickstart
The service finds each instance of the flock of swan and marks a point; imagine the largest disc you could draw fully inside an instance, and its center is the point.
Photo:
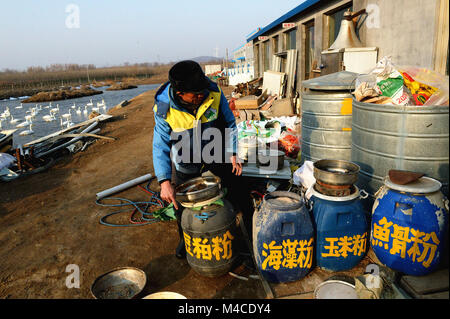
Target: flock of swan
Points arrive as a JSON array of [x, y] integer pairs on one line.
[[53, 112]]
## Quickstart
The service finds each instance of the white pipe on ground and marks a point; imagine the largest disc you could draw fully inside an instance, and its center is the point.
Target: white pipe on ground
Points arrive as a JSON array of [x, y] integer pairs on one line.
[[123, 186]]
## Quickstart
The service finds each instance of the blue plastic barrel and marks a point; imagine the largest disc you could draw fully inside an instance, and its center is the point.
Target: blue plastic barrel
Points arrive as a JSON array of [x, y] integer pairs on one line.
[[409, 226], [283, 237], [342, 230]]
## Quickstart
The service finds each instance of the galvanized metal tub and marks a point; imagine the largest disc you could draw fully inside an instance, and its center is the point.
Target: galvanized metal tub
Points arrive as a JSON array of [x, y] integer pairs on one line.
[[412, 138], [327, 117]]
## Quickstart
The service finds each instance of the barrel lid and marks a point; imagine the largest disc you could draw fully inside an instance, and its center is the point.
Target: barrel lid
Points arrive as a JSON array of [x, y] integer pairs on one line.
[[423, 185], [283, 200], [343, 80]]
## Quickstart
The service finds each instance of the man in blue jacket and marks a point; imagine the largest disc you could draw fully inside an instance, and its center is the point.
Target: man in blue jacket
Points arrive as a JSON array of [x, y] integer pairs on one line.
[[196, 127]]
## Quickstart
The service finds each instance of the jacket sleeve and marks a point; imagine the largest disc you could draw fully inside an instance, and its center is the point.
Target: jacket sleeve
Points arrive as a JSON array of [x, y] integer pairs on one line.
[[161, 149], [230, 122]]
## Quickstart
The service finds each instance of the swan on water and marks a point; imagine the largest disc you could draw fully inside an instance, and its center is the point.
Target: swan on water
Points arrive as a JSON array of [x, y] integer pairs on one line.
[[13, 120], [50, 117], [27, 132]]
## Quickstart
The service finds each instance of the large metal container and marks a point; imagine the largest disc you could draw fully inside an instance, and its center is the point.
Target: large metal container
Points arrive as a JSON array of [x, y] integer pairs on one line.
[[327, 117], [211, 237], [411, 138]]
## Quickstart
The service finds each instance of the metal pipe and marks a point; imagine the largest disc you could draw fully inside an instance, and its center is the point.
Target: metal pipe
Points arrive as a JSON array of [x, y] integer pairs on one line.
[[123, 186]]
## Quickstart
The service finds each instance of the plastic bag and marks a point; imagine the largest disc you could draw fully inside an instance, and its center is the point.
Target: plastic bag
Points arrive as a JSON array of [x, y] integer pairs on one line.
[[421, 92], [304, 176], [390, 82], [289, 143], [433, 79]]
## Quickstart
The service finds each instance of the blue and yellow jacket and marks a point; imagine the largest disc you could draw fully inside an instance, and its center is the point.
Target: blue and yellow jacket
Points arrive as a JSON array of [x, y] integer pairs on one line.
[[171, 118]]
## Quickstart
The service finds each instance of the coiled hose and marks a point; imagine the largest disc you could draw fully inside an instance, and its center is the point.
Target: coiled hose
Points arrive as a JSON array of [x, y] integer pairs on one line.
[[141, 207]]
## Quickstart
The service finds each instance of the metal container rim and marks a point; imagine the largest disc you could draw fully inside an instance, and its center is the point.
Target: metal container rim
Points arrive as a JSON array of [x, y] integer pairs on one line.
[[117, 269], [400, 108]]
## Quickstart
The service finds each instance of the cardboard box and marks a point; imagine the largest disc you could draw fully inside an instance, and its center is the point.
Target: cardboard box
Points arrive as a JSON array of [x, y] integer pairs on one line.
[[248, 102]]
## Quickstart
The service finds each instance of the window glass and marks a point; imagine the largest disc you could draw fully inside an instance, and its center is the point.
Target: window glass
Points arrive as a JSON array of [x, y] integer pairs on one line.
[[309, 49], [267, 55], [275, 44], [290, 39]]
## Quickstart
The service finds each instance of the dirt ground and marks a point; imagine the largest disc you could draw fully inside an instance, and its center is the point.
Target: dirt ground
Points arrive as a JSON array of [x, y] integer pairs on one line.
[[50, 220]]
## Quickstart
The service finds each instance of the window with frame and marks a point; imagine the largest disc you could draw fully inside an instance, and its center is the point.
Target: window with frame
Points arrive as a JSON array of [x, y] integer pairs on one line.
[[275, 44], [267, 55], [291, 39], [309, 48]]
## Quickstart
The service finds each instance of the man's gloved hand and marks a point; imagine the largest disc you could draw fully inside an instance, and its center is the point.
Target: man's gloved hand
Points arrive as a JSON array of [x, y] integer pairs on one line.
[[168, 193], [237, 165]]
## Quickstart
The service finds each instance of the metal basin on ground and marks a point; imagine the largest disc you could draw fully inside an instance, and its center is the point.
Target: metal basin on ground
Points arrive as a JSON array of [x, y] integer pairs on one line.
[[165, 295], [120, 283]]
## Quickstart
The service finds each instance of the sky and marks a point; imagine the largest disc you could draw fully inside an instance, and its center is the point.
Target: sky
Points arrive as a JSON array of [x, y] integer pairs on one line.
[[112, 32]]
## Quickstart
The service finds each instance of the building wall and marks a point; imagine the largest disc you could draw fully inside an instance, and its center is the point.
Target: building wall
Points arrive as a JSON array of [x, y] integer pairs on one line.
[[405, 30]]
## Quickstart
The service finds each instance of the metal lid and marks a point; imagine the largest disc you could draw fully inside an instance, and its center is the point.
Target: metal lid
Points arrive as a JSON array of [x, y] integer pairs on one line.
[[343, 80], [423, 185]]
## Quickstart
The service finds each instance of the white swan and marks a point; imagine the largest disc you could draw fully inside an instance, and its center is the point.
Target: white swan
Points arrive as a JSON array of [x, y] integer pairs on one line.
[[55, 109], [67, 115], [28, 121], [13, 120], [73, 106], [68, 123], [27, 132], [6, 113], [19, 106], [50, 117], [90, 103], [101, 104], [78, 111], [85, 112]]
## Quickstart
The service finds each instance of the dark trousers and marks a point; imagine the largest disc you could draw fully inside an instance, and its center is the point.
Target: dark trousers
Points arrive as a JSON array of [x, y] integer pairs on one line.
[[238, 190]]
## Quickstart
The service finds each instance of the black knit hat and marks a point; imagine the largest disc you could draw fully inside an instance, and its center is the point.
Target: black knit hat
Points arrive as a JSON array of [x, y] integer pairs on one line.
[[188, 76]]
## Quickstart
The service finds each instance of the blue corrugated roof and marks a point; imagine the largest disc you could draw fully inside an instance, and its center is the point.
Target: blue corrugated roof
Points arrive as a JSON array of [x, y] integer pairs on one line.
[[306, 4]]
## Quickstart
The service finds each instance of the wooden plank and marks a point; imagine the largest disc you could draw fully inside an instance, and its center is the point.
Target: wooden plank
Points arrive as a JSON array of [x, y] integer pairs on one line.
[[100, 118], [440, 49], [422, 285]]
